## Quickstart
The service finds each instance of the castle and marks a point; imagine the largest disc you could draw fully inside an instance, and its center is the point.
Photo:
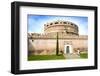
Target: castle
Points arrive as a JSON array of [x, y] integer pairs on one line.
[[68, 38]]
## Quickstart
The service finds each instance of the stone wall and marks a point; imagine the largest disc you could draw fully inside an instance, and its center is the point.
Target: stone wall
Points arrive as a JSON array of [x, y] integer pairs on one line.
[[48, 46]]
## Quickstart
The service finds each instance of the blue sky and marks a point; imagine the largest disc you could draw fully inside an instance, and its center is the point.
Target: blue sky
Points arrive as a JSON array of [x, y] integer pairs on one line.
[[36, 22]]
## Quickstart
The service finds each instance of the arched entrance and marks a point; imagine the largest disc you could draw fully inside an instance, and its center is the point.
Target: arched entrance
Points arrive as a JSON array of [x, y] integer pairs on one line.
[[68, 49]]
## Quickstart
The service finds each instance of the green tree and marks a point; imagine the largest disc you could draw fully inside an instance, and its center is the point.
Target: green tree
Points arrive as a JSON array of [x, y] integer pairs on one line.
[[57, 45]]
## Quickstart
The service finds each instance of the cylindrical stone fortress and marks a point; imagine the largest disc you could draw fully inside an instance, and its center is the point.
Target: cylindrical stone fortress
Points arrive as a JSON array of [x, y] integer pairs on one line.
[[68, 35], [61, 26]]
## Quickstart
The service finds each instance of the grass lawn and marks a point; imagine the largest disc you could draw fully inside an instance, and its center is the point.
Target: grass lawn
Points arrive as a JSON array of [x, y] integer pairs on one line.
[[84, 55], [45, 57]]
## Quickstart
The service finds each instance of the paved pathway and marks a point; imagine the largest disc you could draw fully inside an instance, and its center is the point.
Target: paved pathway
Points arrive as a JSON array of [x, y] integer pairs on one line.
[[71, 56]]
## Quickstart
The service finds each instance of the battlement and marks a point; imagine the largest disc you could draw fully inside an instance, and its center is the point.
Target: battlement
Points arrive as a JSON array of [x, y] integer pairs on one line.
[[59, 22], [54, 35]]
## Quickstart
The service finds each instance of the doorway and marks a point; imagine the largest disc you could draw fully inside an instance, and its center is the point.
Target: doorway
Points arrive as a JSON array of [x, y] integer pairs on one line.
[[68, 49]]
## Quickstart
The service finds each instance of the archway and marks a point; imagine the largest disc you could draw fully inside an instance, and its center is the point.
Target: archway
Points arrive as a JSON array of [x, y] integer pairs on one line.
[[68, 49]]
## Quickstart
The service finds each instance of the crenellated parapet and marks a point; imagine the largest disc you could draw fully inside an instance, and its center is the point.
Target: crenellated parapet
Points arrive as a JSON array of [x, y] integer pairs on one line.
[[54, 36]]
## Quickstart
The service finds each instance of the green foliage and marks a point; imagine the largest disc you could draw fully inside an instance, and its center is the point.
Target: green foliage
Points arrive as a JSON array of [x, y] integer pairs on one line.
[[84, 55], [45, 57]]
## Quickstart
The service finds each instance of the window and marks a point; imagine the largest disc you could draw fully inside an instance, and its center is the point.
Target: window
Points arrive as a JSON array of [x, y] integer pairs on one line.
[[51, 23], [56, 22], [65, 22], [71, 24]]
